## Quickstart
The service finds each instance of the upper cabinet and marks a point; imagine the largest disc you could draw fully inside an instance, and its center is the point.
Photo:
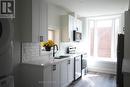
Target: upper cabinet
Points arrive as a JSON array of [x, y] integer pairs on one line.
[[78, 25], [69, 23], [67, 26], [31, 20], [43, 19]]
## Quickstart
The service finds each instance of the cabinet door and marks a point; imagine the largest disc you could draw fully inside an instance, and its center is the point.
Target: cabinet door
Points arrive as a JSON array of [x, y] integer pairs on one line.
[[79, 25], [67, 28], [35, 20], [31, 19], [55, 75], [71, 27], [63, 74], [43, 33], [47, 76], [70, 70]]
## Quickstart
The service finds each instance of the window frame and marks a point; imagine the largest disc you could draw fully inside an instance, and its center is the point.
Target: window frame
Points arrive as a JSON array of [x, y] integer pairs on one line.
[[113, 37]]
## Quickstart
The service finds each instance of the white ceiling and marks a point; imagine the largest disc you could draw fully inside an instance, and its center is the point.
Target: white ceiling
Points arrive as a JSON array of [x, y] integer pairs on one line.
[[86, 8]]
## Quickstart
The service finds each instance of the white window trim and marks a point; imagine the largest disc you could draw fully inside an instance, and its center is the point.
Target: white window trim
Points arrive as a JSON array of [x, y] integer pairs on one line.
[[114, 36]]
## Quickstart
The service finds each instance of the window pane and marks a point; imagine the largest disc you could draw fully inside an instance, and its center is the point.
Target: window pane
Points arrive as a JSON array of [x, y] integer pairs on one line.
[[50, 35], [104, 38], [91, 27]]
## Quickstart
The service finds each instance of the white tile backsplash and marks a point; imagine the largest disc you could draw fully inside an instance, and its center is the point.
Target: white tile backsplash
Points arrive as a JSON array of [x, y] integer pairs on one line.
[[29, 50], [64, 45], [80, 47], [32, 51]]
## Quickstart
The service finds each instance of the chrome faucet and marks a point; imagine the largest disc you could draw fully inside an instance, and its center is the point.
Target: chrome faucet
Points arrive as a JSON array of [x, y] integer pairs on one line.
[[54, 52]]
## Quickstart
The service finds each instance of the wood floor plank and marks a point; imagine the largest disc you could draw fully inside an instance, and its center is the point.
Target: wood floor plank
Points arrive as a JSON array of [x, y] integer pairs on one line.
[[93, 79]]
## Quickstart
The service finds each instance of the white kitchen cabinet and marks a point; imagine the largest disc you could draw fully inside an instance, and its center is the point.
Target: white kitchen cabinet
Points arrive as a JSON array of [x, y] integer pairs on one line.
[[67, 27], [70, 70], [31, 20], [34, 74], [63, 74], [47, 78], [78, 25], [51, 76], [55, 76], [29, 75], [43, 20]]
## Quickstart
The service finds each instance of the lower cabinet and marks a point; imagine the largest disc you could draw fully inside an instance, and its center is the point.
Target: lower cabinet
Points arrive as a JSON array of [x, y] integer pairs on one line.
[[51, 76], [70, 70], [59, 74], [55, 75], [47, 76], [66, 72]]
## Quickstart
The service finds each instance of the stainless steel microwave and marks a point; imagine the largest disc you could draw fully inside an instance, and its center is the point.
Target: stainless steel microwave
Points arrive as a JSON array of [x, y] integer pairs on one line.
[[77, 36]]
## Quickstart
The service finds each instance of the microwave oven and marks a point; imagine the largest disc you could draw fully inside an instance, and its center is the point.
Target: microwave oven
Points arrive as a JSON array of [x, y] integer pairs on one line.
[[77, 36]]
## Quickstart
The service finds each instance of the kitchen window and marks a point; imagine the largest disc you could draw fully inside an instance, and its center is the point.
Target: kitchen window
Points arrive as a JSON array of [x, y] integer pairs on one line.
[[103, 36], [54, 34], [51, 35]]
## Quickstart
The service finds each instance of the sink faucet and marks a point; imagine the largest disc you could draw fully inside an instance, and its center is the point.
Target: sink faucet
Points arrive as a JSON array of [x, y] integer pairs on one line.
[[54, 50]]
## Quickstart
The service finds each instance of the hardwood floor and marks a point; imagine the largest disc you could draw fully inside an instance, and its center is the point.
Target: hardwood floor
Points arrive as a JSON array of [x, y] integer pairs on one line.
[[95, 80]]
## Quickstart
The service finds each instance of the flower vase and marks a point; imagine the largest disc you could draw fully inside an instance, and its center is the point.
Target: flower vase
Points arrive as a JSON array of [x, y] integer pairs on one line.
[[48, 48]]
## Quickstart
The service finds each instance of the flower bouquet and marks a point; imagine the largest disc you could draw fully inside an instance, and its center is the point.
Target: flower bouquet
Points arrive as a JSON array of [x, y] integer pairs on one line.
[[48, 45]]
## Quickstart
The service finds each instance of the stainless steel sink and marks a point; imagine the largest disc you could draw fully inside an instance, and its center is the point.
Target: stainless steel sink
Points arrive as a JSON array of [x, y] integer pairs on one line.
[[61, 57]]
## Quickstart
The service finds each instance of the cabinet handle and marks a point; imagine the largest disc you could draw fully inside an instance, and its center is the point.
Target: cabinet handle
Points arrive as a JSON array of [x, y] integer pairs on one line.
[[54, 67]]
